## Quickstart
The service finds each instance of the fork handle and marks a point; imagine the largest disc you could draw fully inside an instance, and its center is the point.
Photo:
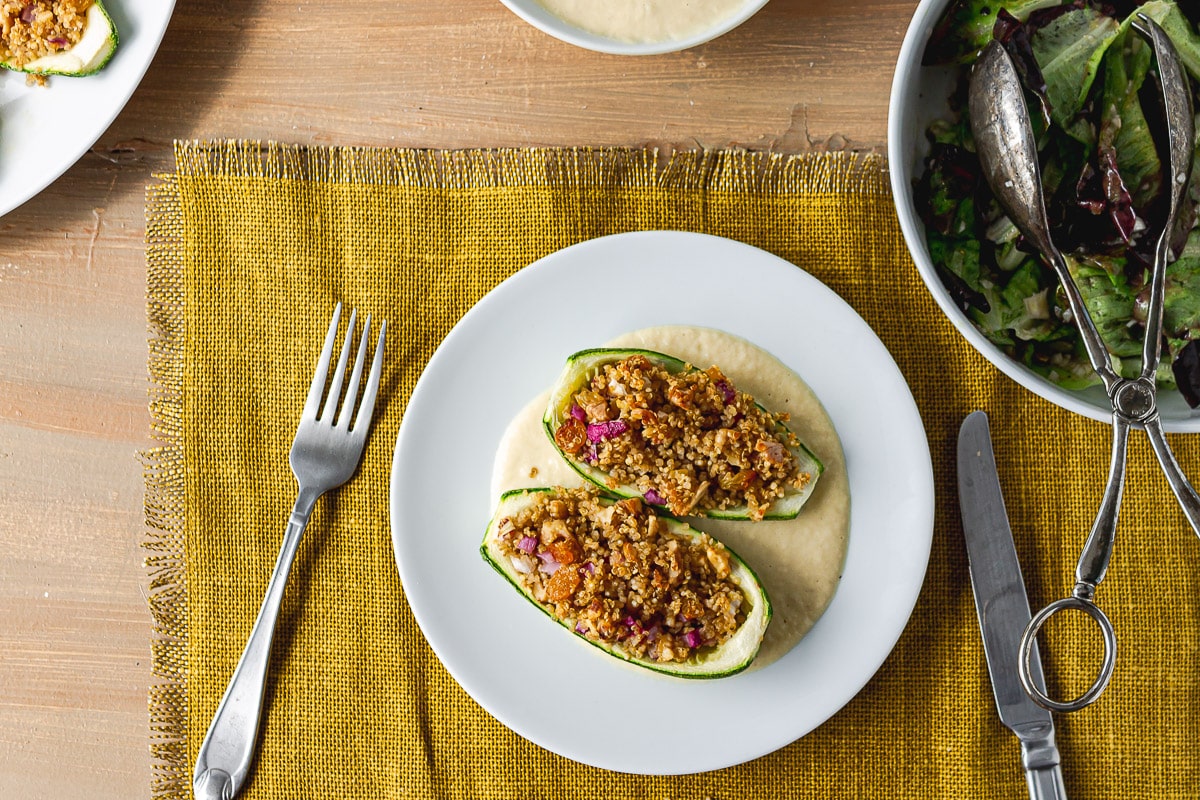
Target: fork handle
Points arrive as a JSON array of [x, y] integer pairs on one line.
[[228, 747]]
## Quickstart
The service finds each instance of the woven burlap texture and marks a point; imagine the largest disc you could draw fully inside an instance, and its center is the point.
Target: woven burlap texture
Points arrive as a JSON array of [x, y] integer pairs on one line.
[[250, 245]]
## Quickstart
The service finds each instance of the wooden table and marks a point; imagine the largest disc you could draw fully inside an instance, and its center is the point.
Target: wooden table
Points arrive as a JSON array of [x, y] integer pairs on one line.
[[75, 629]]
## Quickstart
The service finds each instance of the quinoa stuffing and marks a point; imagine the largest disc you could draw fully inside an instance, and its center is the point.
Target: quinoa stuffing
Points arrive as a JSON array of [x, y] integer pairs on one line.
[[612, 571], [32, 29], [688, 441]]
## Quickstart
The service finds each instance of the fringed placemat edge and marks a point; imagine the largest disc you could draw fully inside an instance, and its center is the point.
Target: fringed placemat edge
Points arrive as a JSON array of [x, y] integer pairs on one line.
[[163, 467], [733, 170]]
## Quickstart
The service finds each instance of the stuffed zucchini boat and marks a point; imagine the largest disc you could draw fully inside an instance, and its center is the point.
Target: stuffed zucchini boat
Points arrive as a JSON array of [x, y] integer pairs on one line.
[[641, 586], [645, 424], [58, 37]]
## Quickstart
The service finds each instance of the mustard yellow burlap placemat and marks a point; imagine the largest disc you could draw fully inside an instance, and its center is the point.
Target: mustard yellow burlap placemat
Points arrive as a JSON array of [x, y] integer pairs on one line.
[[249, 247]]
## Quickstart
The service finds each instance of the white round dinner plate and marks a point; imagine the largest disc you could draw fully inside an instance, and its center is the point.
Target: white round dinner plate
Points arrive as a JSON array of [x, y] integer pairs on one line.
[[46, 129], [530, 673]]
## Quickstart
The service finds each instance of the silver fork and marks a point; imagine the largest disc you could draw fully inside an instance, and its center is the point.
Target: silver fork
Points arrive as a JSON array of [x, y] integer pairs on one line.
[[324, 455]]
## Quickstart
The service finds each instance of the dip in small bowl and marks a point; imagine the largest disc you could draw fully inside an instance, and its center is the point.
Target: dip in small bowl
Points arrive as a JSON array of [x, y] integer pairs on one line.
[[635, 27]]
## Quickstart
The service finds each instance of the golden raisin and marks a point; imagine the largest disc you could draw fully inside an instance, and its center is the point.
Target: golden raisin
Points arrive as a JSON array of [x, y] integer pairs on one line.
[[571, 436], [562, 584], [567, 551], [658, 579], [740, 480]]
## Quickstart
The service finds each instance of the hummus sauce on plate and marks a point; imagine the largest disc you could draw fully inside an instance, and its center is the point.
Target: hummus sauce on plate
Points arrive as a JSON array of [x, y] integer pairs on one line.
[[800, 560], [644, 20]]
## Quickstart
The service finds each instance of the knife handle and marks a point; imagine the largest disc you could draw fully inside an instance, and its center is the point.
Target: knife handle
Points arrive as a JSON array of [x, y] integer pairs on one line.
[[1046, 783]]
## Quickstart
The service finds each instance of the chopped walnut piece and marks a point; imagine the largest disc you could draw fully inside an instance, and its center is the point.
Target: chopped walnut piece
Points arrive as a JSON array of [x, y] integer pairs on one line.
[[719, 559], [552, 530]]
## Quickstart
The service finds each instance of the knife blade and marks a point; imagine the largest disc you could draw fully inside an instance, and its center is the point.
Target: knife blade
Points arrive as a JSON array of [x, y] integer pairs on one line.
[[1003, 607]]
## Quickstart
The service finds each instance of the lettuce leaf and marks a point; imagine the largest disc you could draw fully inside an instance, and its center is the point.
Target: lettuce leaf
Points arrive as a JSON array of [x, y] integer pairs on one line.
[[1069, 50], [1123, 126]]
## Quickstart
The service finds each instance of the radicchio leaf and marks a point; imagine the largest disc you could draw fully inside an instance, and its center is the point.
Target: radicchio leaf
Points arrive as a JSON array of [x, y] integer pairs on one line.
[[1102, 193], [951, 177], [1186, 368]]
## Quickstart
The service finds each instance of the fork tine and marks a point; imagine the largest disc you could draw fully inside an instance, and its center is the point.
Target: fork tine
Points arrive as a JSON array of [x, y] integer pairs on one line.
[[339, 374], [343, 420], [367, 408], [318, 382]]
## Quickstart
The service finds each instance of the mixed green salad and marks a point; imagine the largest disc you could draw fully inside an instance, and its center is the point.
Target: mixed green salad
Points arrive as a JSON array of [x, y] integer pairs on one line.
[[1097, 113]]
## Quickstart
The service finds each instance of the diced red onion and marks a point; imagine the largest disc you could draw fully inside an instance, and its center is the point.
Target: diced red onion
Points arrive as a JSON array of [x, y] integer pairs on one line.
[[693, 639], [579, 628], [726, 391], [527, 544], [578, 413], [57, 40], [550, 564], [589, 568], [27, 13], [629, 621], [652, 634], [654, 497], [602, 431], [593, 455]]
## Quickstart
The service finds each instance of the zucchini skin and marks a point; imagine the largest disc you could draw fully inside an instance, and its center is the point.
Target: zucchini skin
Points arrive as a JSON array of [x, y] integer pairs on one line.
[[579, 368], [113, 39], [755, 625]]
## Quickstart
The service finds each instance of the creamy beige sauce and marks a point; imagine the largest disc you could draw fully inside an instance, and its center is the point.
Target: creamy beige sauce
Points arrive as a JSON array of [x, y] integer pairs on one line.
[[644, 20], [800, 560]]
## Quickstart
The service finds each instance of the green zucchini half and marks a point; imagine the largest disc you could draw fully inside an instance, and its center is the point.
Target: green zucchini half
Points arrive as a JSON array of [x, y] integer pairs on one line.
[[578, 372], [717, 662], [88, 56]]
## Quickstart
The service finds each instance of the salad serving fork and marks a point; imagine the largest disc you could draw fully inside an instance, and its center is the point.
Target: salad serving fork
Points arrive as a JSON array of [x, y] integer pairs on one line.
[[1007, 150], [325, 453]]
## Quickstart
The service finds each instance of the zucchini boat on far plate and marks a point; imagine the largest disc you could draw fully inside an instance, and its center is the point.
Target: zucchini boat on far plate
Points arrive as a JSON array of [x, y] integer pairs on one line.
[[644, 424], [641, 586], [87, 56]]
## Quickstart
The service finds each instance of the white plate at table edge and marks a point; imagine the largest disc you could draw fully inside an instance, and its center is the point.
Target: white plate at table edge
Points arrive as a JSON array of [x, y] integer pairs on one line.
[[521, 667], [45, 130]]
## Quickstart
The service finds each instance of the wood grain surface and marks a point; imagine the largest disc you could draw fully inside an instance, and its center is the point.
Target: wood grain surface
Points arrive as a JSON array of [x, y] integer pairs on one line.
[[74, 624]]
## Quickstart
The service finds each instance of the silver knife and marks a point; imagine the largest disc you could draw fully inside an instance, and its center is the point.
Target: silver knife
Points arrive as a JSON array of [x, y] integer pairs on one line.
[[1003, 607]]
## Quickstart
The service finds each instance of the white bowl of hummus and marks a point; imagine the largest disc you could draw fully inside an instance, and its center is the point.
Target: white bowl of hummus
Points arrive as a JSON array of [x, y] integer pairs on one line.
[[635, 27]]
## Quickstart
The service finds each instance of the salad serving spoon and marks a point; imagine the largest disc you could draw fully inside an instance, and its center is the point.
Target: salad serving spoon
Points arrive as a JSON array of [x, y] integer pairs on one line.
[[1008, 153]]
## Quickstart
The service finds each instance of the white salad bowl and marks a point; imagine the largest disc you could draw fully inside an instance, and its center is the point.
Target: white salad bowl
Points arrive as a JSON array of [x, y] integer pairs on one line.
[[539, 17], [920, 94]]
